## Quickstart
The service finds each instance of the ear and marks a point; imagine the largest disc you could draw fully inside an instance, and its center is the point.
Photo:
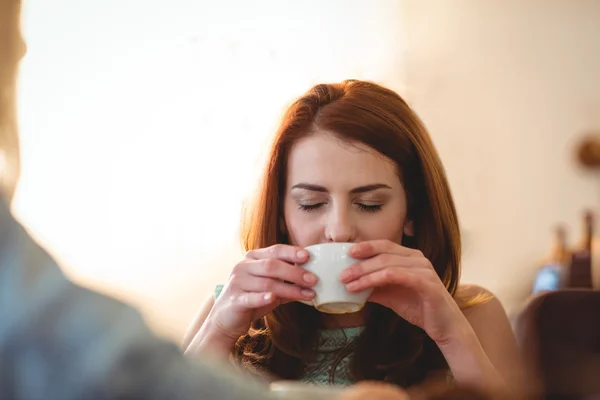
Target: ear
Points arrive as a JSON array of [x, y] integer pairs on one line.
[[409, 229]]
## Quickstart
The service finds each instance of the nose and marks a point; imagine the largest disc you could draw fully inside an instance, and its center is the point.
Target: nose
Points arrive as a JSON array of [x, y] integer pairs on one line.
[[339, 226]]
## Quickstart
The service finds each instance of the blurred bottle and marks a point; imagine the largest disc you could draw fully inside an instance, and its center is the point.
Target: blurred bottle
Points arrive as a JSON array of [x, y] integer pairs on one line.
[[580, 271], [595, 258], [588, 231], [552, 272], [559, 252]]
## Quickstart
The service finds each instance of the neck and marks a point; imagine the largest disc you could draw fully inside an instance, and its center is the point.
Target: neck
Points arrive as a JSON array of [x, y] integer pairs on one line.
[[344, 320]]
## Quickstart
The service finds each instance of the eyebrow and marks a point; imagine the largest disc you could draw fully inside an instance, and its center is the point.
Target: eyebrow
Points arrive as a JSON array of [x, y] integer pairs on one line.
[[360, 189]]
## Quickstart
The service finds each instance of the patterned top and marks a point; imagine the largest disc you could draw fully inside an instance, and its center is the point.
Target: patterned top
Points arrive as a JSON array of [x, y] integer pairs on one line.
[[331, 342]]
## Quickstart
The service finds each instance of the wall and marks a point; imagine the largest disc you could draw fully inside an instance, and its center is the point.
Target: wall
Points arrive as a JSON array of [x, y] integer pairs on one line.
[[506, 89]]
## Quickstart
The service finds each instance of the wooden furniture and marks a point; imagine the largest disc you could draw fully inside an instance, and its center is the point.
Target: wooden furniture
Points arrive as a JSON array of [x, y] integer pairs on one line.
[[559, 335]]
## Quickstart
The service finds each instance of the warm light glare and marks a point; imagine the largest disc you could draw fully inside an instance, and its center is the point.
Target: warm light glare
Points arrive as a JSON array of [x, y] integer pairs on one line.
[[143, 124]]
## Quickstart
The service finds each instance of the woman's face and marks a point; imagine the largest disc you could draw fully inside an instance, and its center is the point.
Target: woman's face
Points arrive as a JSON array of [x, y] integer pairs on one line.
[[340, 192]]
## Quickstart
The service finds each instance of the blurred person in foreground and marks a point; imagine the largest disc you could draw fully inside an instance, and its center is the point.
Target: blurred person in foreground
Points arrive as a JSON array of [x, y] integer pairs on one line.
[[60, 341]]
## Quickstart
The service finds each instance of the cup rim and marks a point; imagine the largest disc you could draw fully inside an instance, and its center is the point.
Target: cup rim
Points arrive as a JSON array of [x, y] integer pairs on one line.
[[312, 246]]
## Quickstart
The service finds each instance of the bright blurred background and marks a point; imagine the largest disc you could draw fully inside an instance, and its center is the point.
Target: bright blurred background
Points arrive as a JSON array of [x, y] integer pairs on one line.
[[143, 126]]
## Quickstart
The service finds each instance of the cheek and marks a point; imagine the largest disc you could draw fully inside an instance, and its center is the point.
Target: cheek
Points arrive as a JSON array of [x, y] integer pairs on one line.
[[301, 231], [386, 225]]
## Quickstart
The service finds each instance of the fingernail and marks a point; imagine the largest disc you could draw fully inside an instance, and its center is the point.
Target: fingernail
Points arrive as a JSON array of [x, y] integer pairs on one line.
[[268, 296], [352, 286], [309, 278], [308, 293], [302, 254]]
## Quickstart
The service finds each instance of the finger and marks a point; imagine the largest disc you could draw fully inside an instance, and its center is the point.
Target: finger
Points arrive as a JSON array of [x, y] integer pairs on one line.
[[278, 269], [379, 262], [385, 277], [373, 247], [253, 300], [293, 254], [280, 289]]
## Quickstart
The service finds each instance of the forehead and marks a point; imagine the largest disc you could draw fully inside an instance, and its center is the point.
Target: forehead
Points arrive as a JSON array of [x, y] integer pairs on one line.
[[328, 160]]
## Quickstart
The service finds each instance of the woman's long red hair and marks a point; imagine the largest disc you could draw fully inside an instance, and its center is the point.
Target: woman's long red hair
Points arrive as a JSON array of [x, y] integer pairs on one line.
[[389, 348]]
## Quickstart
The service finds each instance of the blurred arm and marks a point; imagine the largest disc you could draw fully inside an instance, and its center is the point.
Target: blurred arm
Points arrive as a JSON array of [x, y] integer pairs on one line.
[[61, 341]]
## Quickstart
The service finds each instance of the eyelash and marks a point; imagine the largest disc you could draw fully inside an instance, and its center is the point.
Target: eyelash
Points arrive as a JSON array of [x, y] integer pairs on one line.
[[371, 208], [363, 207]]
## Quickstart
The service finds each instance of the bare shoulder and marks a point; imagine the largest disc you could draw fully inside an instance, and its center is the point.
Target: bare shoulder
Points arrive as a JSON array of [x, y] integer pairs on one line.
[[489, 321], [481, 308], [474, 297]]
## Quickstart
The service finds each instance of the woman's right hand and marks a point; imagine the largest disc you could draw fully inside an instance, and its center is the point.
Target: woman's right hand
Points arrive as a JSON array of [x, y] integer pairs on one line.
[[263, 280]]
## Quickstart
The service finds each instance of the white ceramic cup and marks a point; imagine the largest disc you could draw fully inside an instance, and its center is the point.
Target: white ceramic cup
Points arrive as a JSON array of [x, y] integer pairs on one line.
[[327, 261]]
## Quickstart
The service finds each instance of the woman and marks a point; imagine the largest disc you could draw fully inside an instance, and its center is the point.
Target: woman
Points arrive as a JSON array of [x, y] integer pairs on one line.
[[352, 162]]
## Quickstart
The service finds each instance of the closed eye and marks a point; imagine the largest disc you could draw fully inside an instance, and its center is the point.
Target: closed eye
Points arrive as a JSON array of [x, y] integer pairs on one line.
[[369, 207], [310, 207]]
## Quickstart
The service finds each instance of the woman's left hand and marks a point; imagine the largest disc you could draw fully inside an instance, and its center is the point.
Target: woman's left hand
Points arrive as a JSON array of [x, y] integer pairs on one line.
[[405, 281]]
